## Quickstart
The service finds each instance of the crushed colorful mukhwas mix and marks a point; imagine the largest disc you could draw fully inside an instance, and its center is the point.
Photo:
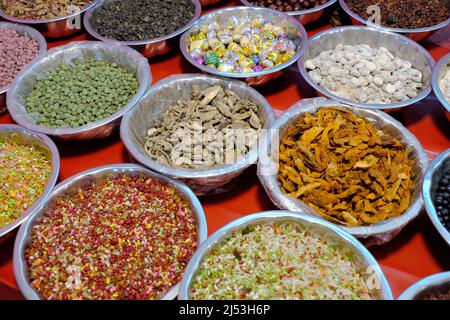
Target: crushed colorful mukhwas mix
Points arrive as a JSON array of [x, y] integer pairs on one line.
[[24, 173], [278, 261], [120, 238]]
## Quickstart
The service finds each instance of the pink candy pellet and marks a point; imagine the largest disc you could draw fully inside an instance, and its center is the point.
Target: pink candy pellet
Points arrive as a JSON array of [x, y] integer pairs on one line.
[[199, 60], [16, 51]]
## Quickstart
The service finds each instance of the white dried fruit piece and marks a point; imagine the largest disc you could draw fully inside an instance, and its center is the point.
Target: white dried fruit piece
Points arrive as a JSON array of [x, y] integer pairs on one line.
[[213, 128], [365, 74], [444, 84]]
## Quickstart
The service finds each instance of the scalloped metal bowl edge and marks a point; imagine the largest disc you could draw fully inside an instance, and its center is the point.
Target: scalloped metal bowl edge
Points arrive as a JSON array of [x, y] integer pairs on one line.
[[424, 284], [325, 228], [94, 130], [438, 74], [87, 177], [381, 232], [429, 181], [336, 32], [201, 178], [43, 141], [254, 78], [303, 16], [415, 34], [149, 48]]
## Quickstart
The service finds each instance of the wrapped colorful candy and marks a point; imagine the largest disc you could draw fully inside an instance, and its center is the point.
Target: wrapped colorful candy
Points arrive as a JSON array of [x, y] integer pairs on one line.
[[241, 47]]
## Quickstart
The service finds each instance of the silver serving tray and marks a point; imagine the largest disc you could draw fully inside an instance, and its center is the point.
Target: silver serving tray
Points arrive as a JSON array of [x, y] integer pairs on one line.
[[80, 180], [246, 14], [27, 31], [439, 72], [415, 34], [151, 47], [430, 183], [124, 56], [378, 233], [304, 16], [362, 258], [398, 45], [434, 281]]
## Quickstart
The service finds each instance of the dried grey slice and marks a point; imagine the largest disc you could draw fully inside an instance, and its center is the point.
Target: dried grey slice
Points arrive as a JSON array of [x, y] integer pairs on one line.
[[212, 128]]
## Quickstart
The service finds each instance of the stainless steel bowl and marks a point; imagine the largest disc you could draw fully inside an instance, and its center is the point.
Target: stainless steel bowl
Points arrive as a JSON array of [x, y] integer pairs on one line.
[[29, 32], [73, 184], [415, 34], [378, 233], [124, 56], [158, 99], [439, 72], [430, 183], [345, 242], [11, 132], [55, 27], [247, 14], [398, 45], [425, 285], [304, 16], [149, 48], [209, 2]]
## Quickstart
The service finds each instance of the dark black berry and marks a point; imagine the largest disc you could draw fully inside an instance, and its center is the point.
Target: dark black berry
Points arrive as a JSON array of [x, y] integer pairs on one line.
[[441, 200]]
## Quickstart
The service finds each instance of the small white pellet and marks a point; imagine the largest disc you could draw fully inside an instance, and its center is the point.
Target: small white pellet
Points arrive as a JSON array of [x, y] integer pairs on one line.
[[368, 75], [445, 86]]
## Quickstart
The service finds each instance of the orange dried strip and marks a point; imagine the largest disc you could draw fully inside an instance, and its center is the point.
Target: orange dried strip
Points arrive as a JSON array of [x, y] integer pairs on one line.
[[345, 169]]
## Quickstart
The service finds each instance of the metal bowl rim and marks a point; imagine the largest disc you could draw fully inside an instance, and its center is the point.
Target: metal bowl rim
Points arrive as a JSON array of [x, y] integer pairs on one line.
[[272, 216], [299, 12], [375, 229], [298, 25], [427, 197], [34, 21], [36, 35], [56, 163], [92, 125], [435, 81], [423, 284], [250, 158], [90, 29], [19, 263], [422, 95], [352, 14]]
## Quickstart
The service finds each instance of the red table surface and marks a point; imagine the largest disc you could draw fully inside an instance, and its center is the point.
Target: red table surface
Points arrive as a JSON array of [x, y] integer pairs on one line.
[[418, 251]]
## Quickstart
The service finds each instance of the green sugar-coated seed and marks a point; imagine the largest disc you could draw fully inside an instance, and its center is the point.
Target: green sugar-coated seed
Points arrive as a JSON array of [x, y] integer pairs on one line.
[[77, 95]]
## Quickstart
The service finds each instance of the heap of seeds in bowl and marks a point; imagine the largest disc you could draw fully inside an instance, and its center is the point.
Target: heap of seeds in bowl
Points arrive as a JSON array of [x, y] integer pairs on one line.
[[136, 20], [366, 74], [42, 9], [214, 127], [126, 237], [344, 168], [24, 173], [16, 51], [403, 14], [73, 96], [444, 85], [277, 261], [251, 45], [441, 198]]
